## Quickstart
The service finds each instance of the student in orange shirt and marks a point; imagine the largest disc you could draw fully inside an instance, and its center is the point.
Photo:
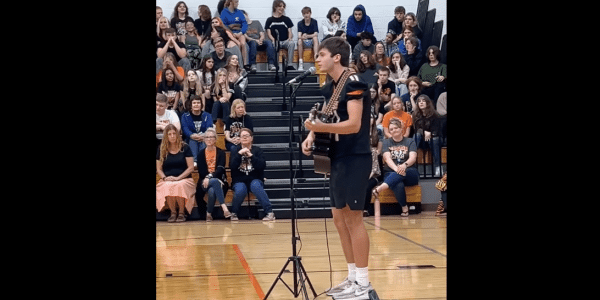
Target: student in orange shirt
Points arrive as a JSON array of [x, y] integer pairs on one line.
[[397, 112]]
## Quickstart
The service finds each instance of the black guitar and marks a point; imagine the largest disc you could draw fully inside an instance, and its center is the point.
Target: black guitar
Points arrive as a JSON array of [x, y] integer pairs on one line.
[[322, 142]]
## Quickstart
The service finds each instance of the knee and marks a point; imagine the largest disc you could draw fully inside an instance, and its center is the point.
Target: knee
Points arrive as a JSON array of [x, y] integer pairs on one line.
[[255, 186], [353, 219]]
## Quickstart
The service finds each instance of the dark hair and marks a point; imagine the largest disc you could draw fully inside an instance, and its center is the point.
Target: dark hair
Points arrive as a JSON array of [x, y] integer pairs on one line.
[[365, 35], [436, 52], [415, 41], [370, 61], [306, 9], [334, 10], [337, 45], [188, 103], [399, 9], [170, 30], [176, 13], [276, 4]]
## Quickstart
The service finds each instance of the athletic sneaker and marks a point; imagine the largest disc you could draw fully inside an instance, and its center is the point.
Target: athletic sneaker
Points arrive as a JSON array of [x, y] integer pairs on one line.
[[340, 287], [269, 217], [355, 292]]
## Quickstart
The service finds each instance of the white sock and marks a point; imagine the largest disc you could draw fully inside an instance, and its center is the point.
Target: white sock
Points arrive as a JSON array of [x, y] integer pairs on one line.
[[362, 276], [352, 272]]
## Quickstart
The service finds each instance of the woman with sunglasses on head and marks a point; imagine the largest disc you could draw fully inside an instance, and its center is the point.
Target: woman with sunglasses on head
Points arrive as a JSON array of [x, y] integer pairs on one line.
[[212, 178]]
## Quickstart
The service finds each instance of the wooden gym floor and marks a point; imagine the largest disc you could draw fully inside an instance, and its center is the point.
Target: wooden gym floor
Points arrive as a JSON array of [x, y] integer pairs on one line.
[[241, 260]]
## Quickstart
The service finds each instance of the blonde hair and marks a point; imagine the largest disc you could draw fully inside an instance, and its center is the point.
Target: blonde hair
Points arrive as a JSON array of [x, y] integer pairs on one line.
[[397, 122], [234, 105], [217, 86], [165, 144]]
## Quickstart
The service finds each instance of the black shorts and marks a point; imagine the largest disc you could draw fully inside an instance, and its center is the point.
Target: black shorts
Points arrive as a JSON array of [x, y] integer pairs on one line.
[[349, 180]]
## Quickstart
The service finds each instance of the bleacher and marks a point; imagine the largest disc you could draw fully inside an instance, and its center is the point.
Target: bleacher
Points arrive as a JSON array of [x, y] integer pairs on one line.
[[271, 133]]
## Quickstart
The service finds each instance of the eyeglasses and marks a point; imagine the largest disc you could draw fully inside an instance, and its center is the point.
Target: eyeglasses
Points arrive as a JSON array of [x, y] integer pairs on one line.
[[245, 136], [210, 137]]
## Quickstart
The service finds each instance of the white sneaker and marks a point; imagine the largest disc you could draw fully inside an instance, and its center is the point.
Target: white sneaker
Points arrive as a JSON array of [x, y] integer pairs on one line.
[[271, 67], [340, 287], [355, 292], [300, 65], [269, 217]]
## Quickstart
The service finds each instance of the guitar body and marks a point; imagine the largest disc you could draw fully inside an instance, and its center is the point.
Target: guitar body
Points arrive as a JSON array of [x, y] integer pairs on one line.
[[322, 143]]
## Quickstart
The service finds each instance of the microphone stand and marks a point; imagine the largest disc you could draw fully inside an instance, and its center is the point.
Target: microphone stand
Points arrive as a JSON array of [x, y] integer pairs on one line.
[[300, 275]]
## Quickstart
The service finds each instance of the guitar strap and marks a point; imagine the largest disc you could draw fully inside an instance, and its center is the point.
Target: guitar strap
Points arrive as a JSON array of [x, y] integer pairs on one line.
[[331, 108]]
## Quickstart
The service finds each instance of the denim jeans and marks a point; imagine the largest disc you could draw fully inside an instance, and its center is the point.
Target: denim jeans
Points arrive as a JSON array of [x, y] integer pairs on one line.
[[397, 183], [215, 192], [253, 47], [196, 147], [256, 187], [434, 144], [223, 108]]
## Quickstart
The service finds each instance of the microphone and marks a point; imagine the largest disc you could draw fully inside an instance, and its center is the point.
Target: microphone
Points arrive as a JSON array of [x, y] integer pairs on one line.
[[301, 77]]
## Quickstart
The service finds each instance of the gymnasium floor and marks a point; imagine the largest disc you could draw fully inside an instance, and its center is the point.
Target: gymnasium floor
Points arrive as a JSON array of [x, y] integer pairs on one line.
[[241, 260]]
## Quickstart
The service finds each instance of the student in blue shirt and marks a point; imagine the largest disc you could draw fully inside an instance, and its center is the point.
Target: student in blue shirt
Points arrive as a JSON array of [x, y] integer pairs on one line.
[[308, 35], [234, 19]]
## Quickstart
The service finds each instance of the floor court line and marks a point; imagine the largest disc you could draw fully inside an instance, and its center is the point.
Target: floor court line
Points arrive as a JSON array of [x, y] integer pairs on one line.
[[406, 239], [257, 288]]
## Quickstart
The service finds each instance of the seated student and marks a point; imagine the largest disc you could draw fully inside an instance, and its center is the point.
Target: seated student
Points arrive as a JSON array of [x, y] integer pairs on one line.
[[379, 55], [192, 44], [218, 30], [358, 24], [407, 34], [255, 35], [220, 55], [202, 24], [170, 88], [172, 45], [206, 73], [414, 57], [234, 19], [433, 74], [365, 44], [410, 20], [237, 120], [164, 117], [389, 47], [333, 25], [399, 70], [169, 62], [191, 86], [414, 86], [308, 35], [236, 76], [386, 88], [212, 177], [400, 170], [247, 164], [222, 95], [427, 125], [279, 22], [176, 187], [194, 124], [398, 113], [179, 17], [397, 23], [366, 67]]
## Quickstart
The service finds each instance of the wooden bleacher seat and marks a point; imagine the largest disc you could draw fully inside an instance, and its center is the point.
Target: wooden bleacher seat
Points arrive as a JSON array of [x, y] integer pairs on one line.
[[308, 56], [413, 195], [229, 194], [425, 157]]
